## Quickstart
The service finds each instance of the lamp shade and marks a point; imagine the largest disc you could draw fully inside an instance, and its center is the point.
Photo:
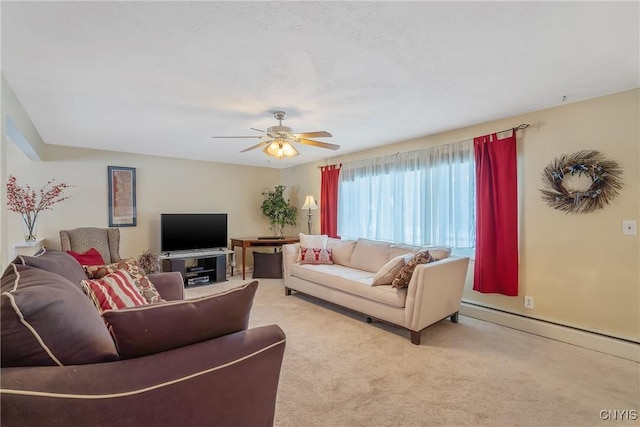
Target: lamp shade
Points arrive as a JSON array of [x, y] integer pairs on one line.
[[310, 203]]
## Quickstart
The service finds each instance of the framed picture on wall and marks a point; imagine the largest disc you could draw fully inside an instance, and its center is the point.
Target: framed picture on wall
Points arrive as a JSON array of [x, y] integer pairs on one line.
[[122, 196]]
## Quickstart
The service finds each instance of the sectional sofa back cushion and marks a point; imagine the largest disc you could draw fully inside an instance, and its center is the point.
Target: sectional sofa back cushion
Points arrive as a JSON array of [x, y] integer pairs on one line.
[[56, 262], [47, 320], [398, 249], [152, 328], [370, 255], [341, 250], [437, 252]]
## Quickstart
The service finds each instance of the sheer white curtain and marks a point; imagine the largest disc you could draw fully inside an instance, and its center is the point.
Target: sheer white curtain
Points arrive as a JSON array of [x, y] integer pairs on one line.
[[424, 197]]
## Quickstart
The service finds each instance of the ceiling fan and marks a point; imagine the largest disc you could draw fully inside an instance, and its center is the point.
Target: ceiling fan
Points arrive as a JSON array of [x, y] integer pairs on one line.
[[278, 140]]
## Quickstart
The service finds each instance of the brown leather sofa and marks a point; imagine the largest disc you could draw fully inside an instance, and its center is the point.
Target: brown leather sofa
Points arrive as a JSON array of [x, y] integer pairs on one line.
[[201, 366]]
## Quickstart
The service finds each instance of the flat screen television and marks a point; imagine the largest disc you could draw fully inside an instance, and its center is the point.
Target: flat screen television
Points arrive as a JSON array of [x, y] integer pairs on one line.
[[192, 231]]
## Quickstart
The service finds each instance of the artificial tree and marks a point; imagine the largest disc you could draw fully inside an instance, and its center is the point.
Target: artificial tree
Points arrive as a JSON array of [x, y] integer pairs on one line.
[[278, 210]]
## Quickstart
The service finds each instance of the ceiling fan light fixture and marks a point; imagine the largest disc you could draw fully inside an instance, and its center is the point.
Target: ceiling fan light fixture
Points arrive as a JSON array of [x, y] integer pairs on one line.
[[281, 149]]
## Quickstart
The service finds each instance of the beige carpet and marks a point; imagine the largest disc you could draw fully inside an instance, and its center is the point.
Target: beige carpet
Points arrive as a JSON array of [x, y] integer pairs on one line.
[[340, 371]]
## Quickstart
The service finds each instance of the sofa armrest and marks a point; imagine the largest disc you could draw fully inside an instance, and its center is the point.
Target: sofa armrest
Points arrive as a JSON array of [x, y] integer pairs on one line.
[[289, 256], [435, 291], [230, 380], [170, 285]]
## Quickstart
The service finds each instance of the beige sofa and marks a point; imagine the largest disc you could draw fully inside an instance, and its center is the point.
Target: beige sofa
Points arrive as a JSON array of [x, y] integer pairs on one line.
[[433, 292]]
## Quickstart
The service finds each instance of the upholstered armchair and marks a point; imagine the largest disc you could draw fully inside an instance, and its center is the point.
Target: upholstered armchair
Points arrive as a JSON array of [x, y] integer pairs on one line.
[[104, 240]]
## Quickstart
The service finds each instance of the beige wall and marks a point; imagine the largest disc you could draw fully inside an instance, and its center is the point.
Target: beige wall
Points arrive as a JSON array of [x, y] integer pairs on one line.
[[580, 269], [163, 185], [11, 109]]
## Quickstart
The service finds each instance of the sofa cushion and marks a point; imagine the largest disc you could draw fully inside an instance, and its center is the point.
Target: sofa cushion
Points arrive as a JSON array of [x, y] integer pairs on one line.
[[47, 320], [370, 255], [390, 270], [90, 257], [149, 329], [113, 291], [403, 277], [341, 250], [315, 256], [142, 282], [438, 252], [350, 280], [398, 249], [56, 262]]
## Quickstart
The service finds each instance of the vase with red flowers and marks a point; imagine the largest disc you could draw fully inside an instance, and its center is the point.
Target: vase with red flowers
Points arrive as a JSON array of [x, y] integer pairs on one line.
[[29, 203]]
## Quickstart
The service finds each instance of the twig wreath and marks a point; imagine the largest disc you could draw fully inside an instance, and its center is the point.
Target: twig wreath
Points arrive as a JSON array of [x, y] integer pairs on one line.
[[605, 178]]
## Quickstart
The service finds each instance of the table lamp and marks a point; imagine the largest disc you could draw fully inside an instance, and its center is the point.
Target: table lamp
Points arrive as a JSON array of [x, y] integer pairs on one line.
[[310, 203]]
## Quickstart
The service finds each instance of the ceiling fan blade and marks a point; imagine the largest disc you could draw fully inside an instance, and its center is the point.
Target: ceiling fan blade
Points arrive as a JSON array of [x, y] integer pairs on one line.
[[253, 136], [318, 134], [319, 144], [253, 147], [259, 130]]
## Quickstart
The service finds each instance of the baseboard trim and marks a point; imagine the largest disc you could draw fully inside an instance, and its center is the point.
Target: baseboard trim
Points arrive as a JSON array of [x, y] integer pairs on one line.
[[604, 344]]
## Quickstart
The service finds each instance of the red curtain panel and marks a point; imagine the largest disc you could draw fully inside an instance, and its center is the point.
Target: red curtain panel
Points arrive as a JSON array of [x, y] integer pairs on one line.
[[329, 200], [496, 264]]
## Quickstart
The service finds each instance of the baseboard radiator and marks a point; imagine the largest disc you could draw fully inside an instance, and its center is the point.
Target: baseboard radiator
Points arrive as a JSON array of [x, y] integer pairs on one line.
[[594, 341]]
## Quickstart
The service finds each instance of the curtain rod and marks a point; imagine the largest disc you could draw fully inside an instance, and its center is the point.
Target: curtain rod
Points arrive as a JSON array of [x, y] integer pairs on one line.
[[522, 126]]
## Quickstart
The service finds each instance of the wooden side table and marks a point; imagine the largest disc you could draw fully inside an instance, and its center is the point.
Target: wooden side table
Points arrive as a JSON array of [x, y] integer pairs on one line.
[[28, 249], [251, 242]]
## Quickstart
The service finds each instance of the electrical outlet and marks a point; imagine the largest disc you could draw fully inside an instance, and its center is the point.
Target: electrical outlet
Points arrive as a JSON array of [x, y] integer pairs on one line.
[[629, 227], [528, 302]]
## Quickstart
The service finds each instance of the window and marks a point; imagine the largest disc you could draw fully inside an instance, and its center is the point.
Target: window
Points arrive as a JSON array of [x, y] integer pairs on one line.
[[424, 197]]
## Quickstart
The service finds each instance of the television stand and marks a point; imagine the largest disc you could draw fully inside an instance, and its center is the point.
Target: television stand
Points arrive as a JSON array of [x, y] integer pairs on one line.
[[210, 267]]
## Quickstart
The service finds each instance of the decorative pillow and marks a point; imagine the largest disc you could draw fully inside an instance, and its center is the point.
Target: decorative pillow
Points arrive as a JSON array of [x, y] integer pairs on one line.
[[142, 282], [315, 256], [312, 241], [341, 250], [267, 265], [114, 291], [47, 320], [390, 270], [404, 275], [370, 255], [149, 329], [57, 262], [438, 252], [90, 257]]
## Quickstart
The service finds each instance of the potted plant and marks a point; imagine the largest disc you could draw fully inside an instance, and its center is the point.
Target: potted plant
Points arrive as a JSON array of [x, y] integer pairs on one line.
[[278, 210]]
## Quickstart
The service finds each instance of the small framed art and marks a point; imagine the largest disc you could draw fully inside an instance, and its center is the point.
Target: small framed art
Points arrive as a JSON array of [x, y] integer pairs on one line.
[[122, 196]]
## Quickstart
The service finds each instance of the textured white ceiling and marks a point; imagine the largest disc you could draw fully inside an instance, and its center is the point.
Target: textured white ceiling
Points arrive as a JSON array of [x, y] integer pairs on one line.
[[163, 77]]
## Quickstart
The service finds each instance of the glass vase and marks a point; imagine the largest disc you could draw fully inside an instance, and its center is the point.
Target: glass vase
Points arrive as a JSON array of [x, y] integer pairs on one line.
[[29, 227]]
